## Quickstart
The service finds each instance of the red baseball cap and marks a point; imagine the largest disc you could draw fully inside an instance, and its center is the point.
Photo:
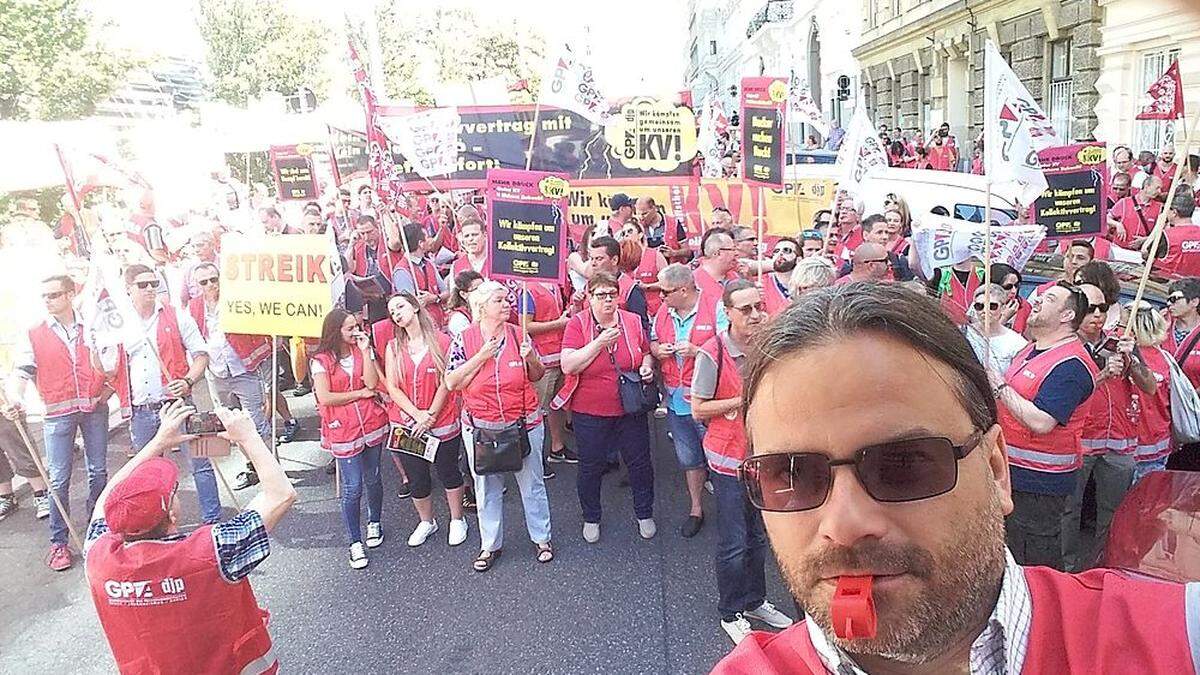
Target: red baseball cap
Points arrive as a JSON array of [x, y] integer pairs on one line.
[[140, 502]]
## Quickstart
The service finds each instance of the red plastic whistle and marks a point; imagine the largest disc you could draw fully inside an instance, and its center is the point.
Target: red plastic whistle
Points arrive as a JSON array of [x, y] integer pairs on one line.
[[853, 608]]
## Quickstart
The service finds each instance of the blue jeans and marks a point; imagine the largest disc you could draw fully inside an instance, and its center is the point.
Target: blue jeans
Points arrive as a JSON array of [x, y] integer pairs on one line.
[[142, 428], [355, 473], [1141, 469], [596, 437], [688, 435], [741, 549], [489, 494], [58, 433]]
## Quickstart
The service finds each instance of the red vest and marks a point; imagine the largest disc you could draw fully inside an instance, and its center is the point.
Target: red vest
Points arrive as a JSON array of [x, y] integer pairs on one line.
[[1107, 426], [170, 345], [1153, 423], [773, 295], [647, 273], [1133, 626], [347, 429], [725, 440], [1060, 450], [1183, 251], [704, 327], [547, 306], [463, 264], [65, 377], [420, 382], [1167, 176], [386, 258], [625, 286], [251, 349], [500, 393], [1190, 362], [956, 297], [708, 284], [427, 280], [166, 608], [630, 325], [382, 332], [1137, 218]]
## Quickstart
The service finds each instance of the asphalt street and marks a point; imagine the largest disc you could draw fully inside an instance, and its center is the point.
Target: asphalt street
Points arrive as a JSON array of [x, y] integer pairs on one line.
[[624, 605]]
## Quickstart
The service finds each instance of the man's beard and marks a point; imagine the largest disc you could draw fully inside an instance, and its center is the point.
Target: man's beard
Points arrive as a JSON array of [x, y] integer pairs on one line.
[[961, 587], [784, 265]]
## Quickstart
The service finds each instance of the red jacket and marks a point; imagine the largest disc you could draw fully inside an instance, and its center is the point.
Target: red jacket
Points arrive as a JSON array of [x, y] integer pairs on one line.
[[349, 428], [251, 349], [165, 608], [65, 377], [1132, 626], [725, 441]]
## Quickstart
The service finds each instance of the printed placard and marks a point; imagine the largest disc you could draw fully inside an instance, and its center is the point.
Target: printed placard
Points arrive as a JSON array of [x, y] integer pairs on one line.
[[276, 285], [527, 225]]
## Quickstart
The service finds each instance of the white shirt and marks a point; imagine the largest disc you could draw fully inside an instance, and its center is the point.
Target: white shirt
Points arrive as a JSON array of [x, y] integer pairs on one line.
[[1005, 347], [145, 373], [346, 363], [223, 361]]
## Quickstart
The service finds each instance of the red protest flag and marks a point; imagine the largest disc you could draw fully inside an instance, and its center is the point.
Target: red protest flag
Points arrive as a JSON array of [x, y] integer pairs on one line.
[[1166, 97]]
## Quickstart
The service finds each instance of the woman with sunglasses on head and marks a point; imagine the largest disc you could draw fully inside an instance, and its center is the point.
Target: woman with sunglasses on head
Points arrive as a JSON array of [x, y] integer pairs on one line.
[[495, 368], [601, 345], [992, 336], [650, 261], [717, 399], [1150, 370], [353, 423], [458, 309], [1099, 274], [415, 362]]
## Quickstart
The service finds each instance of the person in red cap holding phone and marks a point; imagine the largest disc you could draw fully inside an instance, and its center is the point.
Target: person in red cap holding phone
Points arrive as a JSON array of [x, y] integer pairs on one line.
[[171, 602], [884, 492]]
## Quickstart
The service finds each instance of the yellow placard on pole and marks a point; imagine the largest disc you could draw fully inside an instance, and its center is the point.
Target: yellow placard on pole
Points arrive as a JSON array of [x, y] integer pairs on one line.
[[276, 285], [791, 210]]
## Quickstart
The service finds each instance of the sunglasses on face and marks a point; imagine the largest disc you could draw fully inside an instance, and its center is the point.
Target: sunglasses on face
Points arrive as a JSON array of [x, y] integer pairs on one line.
[[205, 282], [1009, 287], [604, 295], [1175, 297], [54, 295], [667, 292], [747, 310], [993, 306], [1098, 309], [897, 471], [146, 285], [727, 249]]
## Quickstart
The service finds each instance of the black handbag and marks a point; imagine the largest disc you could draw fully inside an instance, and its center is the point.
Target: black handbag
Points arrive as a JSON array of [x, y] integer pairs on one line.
[[500, 450], [636, 396]]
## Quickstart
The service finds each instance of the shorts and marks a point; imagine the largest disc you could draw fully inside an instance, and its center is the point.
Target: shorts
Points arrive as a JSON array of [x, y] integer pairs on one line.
[[548, 386], [688, 435], [14, 456]]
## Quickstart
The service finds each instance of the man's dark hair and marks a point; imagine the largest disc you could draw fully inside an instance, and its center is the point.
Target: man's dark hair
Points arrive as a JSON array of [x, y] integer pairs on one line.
[[343, 192], [1001, 270], [1078, 303], [1083, 243], [939, 210], [611, 246], [366, 218], [733, 287], [1189, 286], [1099, 274], [818, 214], [709, 234], [869, 223], [829, 315], [414, 235], [67, 283], [1184, 203], [134, 270]]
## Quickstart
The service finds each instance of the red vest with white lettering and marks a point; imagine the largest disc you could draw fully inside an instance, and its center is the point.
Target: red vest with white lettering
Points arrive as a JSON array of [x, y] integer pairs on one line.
[[65, 377], [1060, 450], [1183, 251], [251, 349], [349, 428], [463, 264], [1190, 362], [647, 273], [1153, 428], [420, 382], [1108, 426], [165, 608], [1133, 626], [547, 306], [500, 393], [773, 296], [427, 280], [725, 440], [704, 327]]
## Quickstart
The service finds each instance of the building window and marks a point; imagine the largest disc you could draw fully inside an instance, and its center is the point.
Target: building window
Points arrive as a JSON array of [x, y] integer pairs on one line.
[[872, 11], [895, 7], [712, 47], [1061, 88], [1153, 134]]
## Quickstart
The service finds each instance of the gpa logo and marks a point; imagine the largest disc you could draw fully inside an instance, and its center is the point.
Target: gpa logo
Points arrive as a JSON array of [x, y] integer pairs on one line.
[[1190, 247], [125, 590], [1027, 373], [145, 593]]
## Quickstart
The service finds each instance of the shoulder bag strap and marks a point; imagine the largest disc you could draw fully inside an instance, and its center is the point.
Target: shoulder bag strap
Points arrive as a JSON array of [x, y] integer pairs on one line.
[[1191, 344]]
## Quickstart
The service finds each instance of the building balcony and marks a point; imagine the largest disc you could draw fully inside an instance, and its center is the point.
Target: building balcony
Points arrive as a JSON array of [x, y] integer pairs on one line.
[[775, 11]]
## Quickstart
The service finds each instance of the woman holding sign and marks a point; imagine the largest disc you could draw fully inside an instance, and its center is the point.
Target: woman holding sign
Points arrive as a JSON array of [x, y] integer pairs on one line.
[[353, 423], [495, 368], [415, 362]]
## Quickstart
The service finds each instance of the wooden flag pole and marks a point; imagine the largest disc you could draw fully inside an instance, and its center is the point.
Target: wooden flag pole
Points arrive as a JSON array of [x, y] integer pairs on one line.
[[1160, 225]]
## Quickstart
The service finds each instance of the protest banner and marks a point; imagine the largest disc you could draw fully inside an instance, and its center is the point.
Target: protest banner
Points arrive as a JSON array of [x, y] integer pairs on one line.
[[790, 210], [276, 285], [428, 139], [293, 170], [1073, 204], [764, 102], [527, 225], [943, 241]]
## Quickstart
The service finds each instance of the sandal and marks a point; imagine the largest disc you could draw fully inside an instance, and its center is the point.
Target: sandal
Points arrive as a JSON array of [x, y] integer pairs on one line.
[[485, 560], [545, 552]]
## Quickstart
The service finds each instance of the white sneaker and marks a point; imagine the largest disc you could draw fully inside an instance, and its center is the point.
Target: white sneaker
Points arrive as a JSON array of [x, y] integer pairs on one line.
[[374, 534], [458, 531], [767, 614], [422, 532], [737, 630], [591, 532], [42, 504], [647, 528], [708, 486], [358, 556]]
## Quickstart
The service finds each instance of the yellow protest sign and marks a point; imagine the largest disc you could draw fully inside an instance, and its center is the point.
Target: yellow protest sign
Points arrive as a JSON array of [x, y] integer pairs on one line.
[[791, 210], [276, 285]]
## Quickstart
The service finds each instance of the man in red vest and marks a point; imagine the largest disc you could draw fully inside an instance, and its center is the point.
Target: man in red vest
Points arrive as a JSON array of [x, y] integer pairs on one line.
[[175, 603], [62, 363], [717, 400], [604, 255], [542, 304], [472, 250], [428, 288], [775, 285], [1179, 250], [890, 483]]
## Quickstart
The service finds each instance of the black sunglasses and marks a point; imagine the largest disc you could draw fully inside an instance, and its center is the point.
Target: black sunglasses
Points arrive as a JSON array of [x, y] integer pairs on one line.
[[1100, 308], [144, 285], [898, 471], [993, 306], [1175, 297], [1009, 287], [211, 280], [54, 295]]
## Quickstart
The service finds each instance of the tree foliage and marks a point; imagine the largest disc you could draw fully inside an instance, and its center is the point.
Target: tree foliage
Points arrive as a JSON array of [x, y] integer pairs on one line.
[[259, 46], [52, 63]]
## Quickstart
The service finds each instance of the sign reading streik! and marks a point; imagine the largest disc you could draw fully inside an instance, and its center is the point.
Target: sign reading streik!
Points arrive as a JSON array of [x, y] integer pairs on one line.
[[764, 102], [276, 285], [527, 216]]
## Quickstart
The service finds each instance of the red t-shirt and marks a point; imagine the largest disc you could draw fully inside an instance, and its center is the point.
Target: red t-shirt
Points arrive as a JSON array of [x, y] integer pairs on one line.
[[597, 391]]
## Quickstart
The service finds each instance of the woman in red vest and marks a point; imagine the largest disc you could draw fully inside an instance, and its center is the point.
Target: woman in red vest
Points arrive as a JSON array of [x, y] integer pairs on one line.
[[649, 263], [1153, 408], [495, 368], [415, 363], [602, 345], [458, 311], [1183, 343], [353, 423]]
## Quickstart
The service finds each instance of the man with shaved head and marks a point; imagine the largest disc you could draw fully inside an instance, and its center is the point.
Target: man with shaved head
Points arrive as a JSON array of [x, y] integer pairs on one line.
[[871, 263]]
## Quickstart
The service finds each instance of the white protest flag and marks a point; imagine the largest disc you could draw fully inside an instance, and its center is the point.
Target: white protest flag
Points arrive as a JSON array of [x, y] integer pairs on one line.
[[943, 241], [108, 311], [861, 154], [568, 83], [803, 107], [428, 139], [1015, 128], [337, 280]]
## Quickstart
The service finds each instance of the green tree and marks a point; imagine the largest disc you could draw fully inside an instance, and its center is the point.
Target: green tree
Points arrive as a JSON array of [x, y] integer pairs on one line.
[[52, 63], [258, 46]]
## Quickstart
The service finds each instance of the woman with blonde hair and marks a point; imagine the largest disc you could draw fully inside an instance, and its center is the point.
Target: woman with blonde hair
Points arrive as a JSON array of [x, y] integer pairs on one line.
[[1151, 372], [811, 273]]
